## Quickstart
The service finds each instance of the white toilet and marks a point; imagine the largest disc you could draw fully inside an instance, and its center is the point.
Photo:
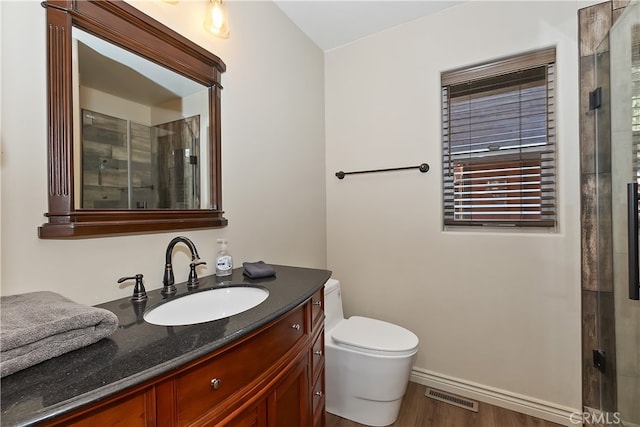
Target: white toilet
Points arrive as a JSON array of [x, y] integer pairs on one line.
[[367, 363]]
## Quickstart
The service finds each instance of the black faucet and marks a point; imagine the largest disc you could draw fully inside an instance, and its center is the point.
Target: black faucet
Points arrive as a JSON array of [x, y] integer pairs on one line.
[[168, 280]]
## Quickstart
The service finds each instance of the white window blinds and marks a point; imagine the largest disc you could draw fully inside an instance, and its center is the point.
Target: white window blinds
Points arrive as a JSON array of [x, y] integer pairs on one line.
[[498, 132]]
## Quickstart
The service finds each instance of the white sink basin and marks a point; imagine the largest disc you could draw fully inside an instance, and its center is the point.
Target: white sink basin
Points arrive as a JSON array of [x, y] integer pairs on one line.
[[205, 306]]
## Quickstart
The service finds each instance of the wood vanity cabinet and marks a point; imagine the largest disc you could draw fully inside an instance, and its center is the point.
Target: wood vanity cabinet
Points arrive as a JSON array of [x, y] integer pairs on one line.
[[273, 377], [316, 358]]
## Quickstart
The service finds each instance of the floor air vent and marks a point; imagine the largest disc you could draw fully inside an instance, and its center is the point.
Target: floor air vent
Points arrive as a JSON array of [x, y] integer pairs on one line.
[[452, 399]]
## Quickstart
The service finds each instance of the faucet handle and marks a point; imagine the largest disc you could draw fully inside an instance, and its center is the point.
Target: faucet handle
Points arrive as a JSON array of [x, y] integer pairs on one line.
[[139, 292], [193, 280]]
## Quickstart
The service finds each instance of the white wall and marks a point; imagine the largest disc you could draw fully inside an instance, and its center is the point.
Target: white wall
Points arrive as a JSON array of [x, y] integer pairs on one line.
[[111, 105], [497, 310], [273, 156]]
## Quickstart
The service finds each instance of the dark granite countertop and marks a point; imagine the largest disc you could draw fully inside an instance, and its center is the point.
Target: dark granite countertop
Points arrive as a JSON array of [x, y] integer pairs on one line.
[[139, 351]]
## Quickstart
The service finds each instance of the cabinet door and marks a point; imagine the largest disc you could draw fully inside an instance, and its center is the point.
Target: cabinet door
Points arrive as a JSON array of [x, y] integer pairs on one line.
[[254, 417], [317, 401], [288, 404]]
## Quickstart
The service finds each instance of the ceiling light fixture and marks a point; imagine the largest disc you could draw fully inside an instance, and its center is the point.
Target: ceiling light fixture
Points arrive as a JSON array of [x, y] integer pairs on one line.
[[215, 20]]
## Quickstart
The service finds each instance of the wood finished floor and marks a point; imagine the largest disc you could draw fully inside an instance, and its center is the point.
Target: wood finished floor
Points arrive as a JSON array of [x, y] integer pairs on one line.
[[417, 410]]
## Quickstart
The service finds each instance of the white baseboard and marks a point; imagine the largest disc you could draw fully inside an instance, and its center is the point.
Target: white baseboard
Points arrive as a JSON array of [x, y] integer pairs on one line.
[[524, 404]]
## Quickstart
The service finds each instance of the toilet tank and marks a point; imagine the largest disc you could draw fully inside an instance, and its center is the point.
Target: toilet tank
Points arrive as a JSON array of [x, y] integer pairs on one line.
[[332, 304]]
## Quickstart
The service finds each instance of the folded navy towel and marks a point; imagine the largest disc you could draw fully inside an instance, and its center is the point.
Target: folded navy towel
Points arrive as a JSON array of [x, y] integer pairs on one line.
[[37, 326], [255, 270]]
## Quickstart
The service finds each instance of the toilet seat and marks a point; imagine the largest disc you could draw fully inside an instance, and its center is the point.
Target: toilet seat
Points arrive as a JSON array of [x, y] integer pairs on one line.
[[374, 336]]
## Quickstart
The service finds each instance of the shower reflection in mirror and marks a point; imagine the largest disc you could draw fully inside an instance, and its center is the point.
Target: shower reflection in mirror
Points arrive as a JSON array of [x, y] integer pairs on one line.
[[128, 165]]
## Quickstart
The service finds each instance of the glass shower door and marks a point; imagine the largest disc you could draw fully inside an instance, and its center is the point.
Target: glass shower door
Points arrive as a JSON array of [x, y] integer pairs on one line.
[[618, 140]]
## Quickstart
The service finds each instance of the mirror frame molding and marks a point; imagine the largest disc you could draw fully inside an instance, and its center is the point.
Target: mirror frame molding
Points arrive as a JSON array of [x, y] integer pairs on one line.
[[129, 28]]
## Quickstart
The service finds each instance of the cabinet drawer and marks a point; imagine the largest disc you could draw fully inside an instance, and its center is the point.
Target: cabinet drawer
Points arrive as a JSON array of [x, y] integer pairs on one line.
[[317, 355], [318, 400], [136, 410], [211, 382], [317, 309]]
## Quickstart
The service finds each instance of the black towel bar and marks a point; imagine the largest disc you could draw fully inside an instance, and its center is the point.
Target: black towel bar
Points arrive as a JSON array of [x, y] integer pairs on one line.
[[424, 167]]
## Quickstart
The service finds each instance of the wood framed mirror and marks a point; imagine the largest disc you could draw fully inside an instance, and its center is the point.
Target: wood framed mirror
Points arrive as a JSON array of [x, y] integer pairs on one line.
[[83, 196]]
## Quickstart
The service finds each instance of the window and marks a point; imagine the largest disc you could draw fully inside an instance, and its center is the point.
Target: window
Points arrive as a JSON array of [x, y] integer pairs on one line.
[[498, 133]]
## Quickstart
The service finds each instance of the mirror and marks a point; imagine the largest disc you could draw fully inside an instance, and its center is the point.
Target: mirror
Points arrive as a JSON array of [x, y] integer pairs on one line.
[[139, 131], [134, 124]]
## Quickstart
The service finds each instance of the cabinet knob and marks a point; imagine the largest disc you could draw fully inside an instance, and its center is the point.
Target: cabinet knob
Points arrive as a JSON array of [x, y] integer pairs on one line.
[[318, 303], [296, 326], [318, 352], [318, 393], [216, 383]]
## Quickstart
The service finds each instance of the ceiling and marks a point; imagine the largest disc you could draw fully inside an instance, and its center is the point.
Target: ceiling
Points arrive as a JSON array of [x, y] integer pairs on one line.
[[334, 23]]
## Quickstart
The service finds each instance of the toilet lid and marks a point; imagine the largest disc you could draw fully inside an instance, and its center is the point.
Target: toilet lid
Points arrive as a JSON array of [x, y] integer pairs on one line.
[[374, 334]]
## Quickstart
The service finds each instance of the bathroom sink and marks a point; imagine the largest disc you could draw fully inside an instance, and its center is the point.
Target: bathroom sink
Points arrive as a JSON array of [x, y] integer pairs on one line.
[[206, 305]]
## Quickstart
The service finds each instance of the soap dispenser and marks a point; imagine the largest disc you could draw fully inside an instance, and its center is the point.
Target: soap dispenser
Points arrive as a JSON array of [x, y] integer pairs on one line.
[[224, 260]]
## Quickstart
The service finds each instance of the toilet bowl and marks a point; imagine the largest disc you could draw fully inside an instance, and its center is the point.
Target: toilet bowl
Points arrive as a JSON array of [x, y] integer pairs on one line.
[[367, 363]]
